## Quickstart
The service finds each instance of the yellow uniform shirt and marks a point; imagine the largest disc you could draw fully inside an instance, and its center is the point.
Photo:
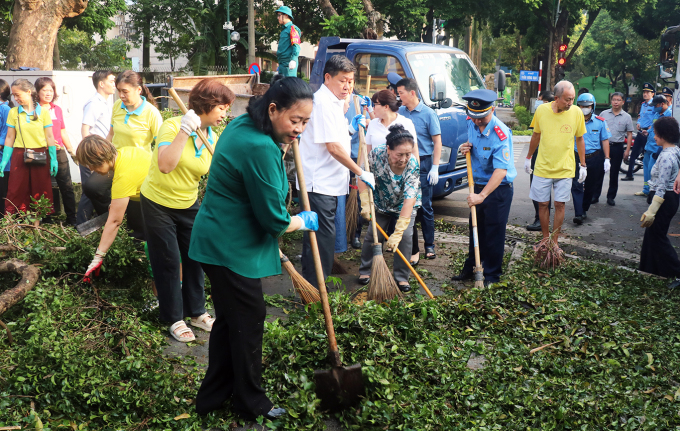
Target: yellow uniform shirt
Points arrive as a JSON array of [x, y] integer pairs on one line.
[[30, 133], [179, 188], [137, 128], [556, 156], [129, 172]]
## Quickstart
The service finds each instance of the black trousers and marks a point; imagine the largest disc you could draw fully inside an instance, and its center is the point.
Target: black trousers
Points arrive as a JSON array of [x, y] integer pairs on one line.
[[658, 255], [492, 219], [582, 193], [97, 188], [65, 184], [324, 206], [638, 147], [4, 181], [85, 207], [135, 220], [235, 353], [616, 150], [168, 233]]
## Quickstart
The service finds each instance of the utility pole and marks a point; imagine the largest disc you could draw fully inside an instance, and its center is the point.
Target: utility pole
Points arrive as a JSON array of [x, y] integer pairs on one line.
[[251, 33], [228, 41]]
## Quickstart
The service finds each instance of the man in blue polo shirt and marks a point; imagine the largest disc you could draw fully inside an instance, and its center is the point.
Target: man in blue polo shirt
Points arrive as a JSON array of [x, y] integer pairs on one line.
[[597, 158], [430, 149], [493, 170], [644, 122], [661, 108]]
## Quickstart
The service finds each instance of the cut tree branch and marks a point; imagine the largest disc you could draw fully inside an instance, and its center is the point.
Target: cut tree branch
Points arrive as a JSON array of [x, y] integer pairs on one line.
[[29, 277], [591, 20]]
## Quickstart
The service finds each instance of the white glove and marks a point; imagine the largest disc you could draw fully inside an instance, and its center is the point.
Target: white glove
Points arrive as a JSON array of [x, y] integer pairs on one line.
[[607, 165], [433, 176], [582, 174], [527, 166], [368, 179], [292, 65], [190, 122]]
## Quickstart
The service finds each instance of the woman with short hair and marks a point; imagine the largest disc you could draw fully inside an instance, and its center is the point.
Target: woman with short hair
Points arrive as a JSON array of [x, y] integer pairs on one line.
[[129, 167], [397, 196], [169, 198], [29, 137], [385, 108], [235, 237], [47, 93]]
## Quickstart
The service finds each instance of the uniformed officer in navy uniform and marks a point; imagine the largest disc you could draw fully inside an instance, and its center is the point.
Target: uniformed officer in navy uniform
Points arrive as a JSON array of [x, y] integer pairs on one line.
[[668, 93], [597, 158], [493, 170], [644, 122]]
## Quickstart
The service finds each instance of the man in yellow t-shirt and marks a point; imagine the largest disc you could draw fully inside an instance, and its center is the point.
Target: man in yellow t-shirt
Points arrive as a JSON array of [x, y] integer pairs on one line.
[[556, 125]]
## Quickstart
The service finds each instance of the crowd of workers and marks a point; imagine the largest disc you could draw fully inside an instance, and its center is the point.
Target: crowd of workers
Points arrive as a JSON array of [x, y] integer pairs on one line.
[[155, 187]]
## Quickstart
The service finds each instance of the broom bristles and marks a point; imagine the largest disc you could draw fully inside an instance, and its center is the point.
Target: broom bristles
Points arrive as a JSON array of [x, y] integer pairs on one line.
[[307, 292], [351, 213], [382, 286]]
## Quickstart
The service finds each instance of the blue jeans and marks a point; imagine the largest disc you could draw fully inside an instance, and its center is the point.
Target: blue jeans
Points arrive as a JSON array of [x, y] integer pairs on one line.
[[425, 212], [340, 226], [648, 163]]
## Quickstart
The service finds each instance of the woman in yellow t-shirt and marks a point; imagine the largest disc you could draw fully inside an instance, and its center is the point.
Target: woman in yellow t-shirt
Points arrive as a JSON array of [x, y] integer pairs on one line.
[[29, 128], [169, 199], [130, 166]]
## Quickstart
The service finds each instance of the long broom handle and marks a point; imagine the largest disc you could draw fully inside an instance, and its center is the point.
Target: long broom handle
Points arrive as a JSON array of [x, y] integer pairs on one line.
[[473, 211], [333, 345], [183, 108], [362, 143], [413, 271]]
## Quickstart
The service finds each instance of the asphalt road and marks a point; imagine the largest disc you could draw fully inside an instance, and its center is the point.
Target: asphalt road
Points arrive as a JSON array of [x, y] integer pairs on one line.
[[616, 227]]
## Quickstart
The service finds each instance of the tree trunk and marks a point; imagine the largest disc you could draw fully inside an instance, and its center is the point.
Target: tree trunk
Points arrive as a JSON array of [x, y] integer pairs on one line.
[[30, 48], [56, 61], [146, 45], [428, 33], [372, 15], [29, 277], [327, 8], [468, 39]]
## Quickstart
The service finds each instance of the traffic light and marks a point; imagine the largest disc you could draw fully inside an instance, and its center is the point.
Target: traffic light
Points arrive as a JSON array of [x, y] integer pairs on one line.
[[561, 62]]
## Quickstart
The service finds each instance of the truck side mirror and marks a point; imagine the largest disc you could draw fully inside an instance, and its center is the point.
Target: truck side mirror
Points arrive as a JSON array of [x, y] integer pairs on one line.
[[437, 87], [500, 81]]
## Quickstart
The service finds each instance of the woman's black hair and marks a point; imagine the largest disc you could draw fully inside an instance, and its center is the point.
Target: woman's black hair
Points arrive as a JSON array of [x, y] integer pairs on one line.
[[398, 135], [284, 93], [667, 129], [6, 92]]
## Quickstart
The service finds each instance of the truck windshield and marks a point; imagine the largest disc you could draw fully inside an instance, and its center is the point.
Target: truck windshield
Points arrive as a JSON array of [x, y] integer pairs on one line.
[[462, 77]]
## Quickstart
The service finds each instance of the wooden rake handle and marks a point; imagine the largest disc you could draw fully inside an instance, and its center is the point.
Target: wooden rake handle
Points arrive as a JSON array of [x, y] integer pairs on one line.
[[362, 144], [183, 108], [413, 271], [333, 344], [473, 212]]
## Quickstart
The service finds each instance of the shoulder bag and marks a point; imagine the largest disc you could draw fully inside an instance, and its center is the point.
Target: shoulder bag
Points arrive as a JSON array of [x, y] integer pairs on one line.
[[31, 157]]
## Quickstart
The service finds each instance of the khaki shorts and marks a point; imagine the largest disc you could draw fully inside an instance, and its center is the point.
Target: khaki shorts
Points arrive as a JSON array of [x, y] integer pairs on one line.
[[541, 188]]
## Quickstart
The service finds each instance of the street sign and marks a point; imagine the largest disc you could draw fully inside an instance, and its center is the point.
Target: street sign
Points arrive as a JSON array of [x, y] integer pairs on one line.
[[528, 75], [254, 68], [228, 48]]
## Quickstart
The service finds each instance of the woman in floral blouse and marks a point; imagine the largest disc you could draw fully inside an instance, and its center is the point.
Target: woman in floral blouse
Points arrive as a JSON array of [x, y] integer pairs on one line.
[[658, 255], [397, 196]]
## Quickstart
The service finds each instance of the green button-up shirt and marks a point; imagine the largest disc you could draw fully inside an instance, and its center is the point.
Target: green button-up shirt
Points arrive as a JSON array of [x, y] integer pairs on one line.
[[244, 209], [289, 45]]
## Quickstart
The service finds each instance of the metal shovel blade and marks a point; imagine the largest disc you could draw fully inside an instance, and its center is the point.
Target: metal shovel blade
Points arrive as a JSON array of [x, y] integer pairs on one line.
[[339, 387], [84, 229]]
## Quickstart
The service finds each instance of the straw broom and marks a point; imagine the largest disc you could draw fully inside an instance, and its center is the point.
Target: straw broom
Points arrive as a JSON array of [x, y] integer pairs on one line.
[[352, 205], [382, 286], [307, 292]]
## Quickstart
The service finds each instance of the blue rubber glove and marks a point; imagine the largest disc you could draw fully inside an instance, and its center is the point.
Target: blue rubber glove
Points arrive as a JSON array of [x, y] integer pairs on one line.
[[366, 101], [6, 156], [54, 164], [358, 120], [310, 221]]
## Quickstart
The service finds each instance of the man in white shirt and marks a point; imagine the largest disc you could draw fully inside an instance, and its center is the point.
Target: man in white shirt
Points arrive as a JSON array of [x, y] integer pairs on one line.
[[326, 160], [96, 121]]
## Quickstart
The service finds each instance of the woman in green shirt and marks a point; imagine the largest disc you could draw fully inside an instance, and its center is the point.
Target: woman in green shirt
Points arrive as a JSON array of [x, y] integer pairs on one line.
[[235, 238]]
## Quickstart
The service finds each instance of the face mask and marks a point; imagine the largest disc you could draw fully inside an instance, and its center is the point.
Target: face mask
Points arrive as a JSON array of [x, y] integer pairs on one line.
[[587, 111], [658, 109]]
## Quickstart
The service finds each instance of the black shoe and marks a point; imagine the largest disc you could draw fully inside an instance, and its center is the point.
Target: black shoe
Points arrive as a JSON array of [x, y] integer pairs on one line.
[[405, 288], [594, 201], [584, 216], [535, 226], [627, 178], [611, 202], [275, 413], [356, 243], [463, 276], [578, 220], [364, 281]]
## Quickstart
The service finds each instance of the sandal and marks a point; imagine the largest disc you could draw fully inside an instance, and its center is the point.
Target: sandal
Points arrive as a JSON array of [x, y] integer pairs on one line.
[[204, 321], [414, 262], [429, 253], [180, 328]]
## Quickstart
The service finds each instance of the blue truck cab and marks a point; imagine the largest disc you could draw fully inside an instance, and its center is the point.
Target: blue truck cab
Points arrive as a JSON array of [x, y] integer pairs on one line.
[[444, 76]]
